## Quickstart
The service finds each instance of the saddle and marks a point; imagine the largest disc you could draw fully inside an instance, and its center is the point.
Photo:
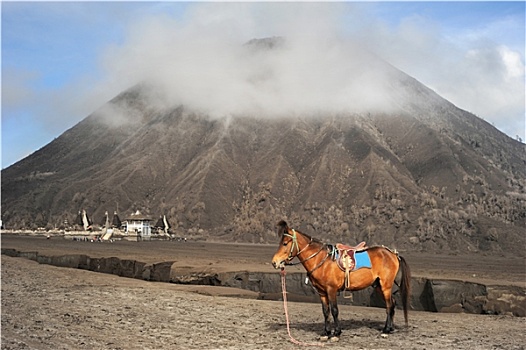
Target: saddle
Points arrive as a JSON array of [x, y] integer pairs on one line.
[[345, 259], [345, 255], [358, 247]]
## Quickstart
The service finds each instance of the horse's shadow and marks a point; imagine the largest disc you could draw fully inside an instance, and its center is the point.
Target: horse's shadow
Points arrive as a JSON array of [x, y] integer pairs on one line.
[[317, 327]]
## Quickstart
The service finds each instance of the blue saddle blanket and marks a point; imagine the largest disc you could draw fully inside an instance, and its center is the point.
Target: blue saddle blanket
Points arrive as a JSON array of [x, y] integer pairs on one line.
[[362, 260]]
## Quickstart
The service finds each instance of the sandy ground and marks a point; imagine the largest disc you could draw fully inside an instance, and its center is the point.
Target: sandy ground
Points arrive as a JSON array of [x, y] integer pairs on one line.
[[47, 307]]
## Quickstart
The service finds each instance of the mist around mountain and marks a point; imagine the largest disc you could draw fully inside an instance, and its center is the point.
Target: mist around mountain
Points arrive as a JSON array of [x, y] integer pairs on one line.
[[390, 162]]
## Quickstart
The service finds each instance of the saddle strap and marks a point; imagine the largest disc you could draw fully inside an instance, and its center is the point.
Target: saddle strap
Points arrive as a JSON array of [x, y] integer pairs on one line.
[[347, 263], [347, 277]]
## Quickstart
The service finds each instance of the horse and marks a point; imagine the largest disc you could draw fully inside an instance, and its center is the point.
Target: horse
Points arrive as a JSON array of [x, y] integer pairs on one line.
[[328, 278]]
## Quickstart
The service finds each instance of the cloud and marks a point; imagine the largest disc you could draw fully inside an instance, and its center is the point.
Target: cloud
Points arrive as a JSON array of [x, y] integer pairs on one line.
[[490, 83], [471, 69], [202, 61]]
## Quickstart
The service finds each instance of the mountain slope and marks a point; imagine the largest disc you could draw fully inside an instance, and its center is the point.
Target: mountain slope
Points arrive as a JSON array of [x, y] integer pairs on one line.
[[428, 176]]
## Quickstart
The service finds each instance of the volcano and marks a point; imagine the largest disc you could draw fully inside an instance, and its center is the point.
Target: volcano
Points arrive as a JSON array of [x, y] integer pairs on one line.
[[422, 175]]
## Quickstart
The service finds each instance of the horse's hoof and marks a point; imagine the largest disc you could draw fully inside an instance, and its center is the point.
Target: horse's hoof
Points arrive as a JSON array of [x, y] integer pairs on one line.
[[387, 331], [384, 335], [335, 339], [323, 338]]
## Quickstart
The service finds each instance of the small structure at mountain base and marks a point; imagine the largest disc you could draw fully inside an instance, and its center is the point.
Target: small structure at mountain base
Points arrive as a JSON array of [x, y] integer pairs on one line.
[[137, 227]]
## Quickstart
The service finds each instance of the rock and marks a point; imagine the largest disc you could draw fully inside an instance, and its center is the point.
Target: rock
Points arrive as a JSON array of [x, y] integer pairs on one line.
[[504, 300], [443, 294], [455, 308], [161, 272]]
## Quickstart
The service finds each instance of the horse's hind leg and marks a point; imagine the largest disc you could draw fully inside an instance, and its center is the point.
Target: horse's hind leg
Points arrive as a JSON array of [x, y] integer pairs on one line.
[[390, 316], [389, 309]]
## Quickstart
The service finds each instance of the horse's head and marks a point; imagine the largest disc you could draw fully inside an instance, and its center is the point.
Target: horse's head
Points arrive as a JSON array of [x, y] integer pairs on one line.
[[288, 245]]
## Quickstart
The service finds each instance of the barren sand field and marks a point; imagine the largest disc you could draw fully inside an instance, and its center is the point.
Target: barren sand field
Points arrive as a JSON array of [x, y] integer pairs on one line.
[[48, 307]]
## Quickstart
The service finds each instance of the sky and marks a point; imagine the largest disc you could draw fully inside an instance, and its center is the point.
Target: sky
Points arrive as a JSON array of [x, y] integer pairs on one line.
[[61, 61]]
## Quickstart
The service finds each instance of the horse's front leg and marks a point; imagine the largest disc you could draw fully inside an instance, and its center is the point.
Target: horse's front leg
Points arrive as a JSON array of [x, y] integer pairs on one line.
[[333, 302], [326, 313]]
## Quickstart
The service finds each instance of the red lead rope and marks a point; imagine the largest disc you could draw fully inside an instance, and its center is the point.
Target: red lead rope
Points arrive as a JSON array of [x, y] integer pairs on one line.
[[284, 291]]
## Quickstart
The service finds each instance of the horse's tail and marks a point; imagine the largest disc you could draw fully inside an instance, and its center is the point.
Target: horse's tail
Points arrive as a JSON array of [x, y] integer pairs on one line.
[[405, 286]]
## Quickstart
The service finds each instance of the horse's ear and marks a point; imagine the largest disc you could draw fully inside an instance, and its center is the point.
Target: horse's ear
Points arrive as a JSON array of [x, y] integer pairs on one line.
[[282, 227]]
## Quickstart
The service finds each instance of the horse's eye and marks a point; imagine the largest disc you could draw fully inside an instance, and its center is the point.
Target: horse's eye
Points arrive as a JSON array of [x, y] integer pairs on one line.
[[285, 243]]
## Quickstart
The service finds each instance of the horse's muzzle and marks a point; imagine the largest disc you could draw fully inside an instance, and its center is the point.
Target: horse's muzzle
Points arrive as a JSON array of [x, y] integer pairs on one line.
[[278, 265]]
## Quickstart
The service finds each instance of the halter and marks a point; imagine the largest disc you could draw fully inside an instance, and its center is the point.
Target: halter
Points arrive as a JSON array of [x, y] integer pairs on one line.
[[299, 251], [294, 245]]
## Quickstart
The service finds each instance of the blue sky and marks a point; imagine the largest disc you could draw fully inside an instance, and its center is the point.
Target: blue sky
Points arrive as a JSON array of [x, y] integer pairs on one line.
[[63, 60]]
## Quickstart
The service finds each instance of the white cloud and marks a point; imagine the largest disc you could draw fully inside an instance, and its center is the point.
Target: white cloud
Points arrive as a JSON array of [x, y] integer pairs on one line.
[[202, 62], [471, 70], [512, 61], [489, 82]]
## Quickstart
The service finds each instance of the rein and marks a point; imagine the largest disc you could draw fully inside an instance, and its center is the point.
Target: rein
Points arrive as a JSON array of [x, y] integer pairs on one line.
[[296, 245], [284, 291], [319, 264]]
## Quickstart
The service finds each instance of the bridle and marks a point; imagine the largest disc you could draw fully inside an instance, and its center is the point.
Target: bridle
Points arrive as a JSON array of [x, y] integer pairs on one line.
[[299, 251], [294, 245]]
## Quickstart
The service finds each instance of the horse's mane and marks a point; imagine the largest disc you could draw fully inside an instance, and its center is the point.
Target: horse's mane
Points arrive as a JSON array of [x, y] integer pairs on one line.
[[309, 237]]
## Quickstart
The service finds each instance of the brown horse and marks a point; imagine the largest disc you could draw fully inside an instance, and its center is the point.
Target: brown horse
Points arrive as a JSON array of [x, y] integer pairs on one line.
[[327, 278]]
